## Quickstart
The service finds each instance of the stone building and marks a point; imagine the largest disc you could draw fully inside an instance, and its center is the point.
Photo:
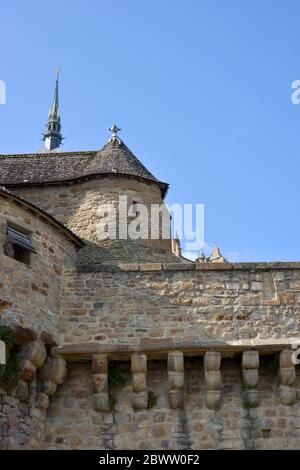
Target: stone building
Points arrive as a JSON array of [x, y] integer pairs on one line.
[[124, 343]]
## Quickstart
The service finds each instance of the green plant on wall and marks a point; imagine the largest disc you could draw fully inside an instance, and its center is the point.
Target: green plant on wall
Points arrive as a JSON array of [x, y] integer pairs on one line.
[[116, 379], [152, 399], [9, 371]]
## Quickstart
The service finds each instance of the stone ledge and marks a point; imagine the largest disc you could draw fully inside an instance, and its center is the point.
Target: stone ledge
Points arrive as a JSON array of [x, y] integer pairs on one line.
[[97, 268], [179, 266], [150, 267], [159, 348], [129, 267], [134, 267], [260, 266]]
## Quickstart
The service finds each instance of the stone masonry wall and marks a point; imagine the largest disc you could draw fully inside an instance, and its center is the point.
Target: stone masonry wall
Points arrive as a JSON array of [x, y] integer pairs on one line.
[[31, 296], [166, 306], [21, 424], [23, 406], [76, 205], [73, 423]]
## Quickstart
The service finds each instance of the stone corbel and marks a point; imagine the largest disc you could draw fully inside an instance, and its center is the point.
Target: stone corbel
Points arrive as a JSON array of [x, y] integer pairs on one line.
[[139, 381], [250, 377], [100, 382], [213, 379], [52, 374], [287, 375], [176, 379], [31, 357]]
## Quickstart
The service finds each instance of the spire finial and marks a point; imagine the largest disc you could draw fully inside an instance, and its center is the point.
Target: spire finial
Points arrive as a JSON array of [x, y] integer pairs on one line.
[[114, 133], [57, 71], [176, 247], [201, 258], [216, 256], [52, 136]]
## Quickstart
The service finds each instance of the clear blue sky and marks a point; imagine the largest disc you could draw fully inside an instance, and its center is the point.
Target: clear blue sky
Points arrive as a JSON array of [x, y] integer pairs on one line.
[[201, 89]]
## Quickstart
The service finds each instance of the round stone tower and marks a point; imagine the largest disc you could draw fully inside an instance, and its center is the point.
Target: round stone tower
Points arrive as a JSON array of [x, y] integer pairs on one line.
[[107, 197]]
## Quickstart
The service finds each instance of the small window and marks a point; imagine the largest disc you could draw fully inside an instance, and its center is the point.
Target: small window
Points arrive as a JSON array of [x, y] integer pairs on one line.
[[18, 244]]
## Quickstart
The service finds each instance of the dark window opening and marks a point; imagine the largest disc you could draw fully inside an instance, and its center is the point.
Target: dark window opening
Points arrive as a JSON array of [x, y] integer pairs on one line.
[[18, 244]]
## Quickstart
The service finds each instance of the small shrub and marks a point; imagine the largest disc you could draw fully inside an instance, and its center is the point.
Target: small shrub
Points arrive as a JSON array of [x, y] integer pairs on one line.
[[9, 371], [112, 401], [152, 399], [116, 379]]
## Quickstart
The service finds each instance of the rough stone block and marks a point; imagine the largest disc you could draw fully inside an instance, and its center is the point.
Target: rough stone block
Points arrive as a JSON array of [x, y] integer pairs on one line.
[[58, 370], [99, 364], [139, 382], [35, 352], [212, 361], [129, 266], [42, 401], [175, 361], [24, 334], [213, 399], [48, 339], [139, 400], [250, 360], [100, 383], [27, 371], [47, 386], [285, 358], [101, 402], [176, 380], [150, 266], [21, 391], [288, 395], [176, 399], [163, 343], [138, 363], [250, 378], [256, 286], [251, 398], [213, 380], [287, 375]]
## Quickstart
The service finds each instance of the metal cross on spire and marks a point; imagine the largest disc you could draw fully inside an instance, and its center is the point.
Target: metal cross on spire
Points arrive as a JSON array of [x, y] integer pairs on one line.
[[114, 133], [114, 130]]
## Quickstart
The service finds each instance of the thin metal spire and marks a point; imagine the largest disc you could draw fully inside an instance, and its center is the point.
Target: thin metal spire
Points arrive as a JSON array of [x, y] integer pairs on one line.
[[52, 136]]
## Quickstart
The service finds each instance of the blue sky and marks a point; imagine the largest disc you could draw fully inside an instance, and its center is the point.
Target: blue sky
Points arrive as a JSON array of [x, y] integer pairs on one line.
[[201, 89]]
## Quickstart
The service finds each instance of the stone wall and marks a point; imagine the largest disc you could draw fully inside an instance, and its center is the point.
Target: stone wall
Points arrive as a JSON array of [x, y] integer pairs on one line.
[[23, 407], [73, 423], [31, 296], [145, 304], [21, 424], [77, 205]]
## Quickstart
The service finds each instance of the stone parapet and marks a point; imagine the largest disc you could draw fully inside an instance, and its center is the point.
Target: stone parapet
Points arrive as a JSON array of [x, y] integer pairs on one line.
[[189, 266]]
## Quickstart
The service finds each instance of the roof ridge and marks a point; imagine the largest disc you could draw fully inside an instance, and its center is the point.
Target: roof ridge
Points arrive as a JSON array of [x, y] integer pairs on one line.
[[49, 154]]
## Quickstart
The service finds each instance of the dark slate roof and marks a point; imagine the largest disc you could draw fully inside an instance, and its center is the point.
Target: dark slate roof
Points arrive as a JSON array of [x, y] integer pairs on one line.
[[4, 192], [50, 168]]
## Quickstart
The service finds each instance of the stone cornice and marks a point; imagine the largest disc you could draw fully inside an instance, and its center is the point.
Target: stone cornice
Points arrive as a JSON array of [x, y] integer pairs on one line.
[[144, 267], [161, 347]]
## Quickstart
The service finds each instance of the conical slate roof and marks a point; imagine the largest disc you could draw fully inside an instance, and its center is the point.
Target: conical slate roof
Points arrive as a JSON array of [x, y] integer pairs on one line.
[[58, 167]]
